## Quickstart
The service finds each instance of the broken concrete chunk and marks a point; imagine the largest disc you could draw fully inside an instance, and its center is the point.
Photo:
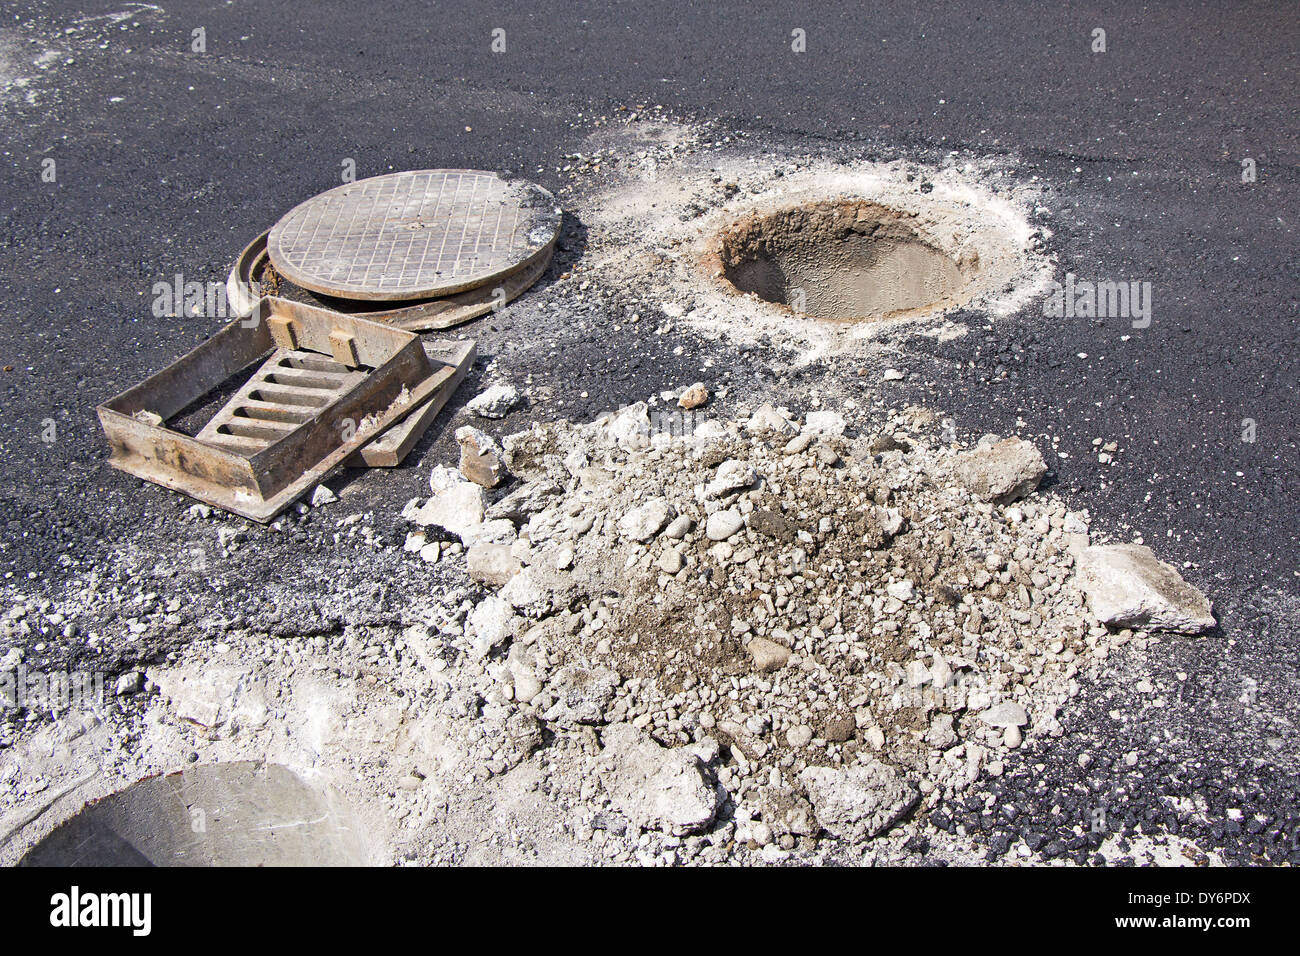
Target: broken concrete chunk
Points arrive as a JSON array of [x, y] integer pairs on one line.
[[1006, 714], [657, 788], [537, 591], [731, 476], [520, 505], [582, 695], [1127, 586], [491, 564], [491, 624], [495, 401], [480, 457], [721, 525], [859, 802], [824, 422], [645, 521], [497, 531], [902, 590], [441, 478], [1001, 472], [768, 655], [322, 496], [218, 700], [941, 735], [767, 420], [693, 397], [546, 524], [941, 673], [630, 427], [456, 505], [891, 521], [710, 431], [527, 686], [532, 454], [128, 684]]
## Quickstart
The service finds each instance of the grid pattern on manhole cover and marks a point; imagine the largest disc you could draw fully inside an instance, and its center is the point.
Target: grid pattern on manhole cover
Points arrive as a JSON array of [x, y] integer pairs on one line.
[[413, 234]]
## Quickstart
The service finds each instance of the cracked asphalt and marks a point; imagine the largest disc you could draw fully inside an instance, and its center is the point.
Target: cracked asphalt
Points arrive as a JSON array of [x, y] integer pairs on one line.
[[168, 161]]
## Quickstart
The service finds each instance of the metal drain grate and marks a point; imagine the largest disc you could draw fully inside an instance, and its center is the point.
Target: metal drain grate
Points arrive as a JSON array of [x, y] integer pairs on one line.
[[413, 235], [288, 391], [333, 384]]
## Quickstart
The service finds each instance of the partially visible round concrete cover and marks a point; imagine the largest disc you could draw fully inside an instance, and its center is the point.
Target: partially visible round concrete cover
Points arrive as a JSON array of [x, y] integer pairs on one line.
[[413, 235], [228, 814]]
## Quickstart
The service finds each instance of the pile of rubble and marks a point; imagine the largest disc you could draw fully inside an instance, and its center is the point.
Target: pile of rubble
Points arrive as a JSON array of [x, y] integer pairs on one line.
[[785, 627]]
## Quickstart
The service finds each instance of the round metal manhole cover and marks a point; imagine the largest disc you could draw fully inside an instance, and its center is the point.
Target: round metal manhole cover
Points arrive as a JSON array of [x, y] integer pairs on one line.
[[414, 235]]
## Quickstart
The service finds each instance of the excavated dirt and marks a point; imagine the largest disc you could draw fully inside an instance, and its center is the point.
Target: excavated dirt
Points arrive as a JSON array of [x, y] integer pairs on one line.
[[867, 608], [629, 688]]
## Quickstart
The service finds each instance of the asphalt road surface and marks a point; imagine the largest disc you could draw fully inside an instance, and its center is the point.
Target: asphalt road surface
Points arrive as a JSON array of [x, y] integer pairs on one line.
[[168, 160]]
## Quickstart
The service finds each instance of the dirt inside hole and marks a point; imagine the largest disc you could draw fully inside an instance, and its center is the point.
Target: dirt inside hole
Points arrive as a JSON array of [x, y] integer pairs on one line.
[[840, 260]]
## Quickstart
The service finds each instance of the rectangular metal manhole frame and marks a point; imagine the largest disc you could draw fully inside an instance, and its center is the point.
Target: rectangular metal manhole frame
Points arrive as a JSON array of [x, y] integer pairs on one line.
[[452, 360], [260, 485]]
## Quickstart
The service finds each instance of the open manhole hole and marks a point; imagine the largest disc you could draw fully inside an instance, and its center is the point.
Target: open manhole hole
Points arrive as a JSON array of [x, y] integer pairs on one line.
[[228, 814], [840, 260]]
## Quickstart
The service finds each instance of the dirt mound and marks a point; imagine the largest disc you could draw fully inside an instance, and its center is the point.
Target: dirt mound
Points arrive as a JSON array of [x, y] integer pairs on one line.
[[781, 595]]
